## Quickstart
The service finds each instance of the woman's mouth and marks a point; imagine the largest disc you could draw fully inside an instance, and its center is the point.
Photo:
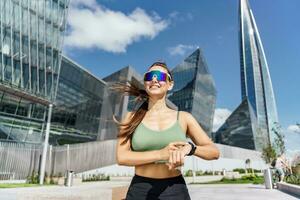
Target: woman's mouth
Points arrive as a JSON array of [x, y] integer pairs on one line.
[[154, 86]]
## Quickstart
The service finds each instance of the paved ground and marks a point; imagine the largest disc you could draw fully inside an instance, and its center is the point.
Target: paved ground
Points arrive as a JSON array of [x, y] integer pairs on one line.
[[113, 190], [236, 192]]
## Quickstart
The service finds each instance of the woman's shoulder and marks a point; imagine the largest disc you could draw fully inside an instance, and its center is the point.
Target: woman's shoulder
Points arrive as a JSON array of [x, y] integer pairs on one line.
[[185, 114]]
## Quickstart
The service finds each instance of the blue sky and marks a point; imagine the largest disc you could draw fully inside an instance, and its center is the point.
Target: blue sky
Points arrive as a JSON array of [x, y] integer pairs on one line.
[[104, 36]]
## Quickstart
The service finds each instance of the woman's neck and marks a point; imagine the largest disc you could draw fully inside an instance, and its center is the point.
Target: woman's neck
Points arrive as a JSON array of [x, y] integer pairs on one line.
[[157, 105]]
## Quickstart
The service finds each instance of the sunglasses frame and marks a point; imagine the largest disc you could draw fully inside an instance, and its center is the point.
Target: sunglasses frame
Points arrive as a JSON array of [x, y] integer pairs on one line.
[[167, 75]]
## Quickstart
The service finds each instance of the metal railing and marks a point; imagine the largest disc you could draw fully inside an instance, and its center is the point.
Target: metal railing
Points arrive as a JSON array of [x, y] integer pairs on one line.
[[20, 160]]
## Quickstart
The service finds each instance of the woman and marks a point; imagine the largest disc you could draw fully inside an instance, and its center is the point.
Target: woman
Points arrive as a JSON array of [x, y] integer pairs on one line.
[[154, 140]]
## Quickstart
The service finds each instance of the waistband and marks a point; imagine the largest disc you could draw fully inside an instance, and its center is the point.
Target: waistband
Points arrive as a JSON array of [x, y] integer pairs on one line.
[[176, 179]]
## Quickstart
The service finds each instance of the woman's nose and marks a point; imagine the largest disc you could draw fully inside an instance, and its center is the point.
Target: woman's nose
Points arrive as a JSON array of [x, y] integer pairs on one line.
[[154, 79]]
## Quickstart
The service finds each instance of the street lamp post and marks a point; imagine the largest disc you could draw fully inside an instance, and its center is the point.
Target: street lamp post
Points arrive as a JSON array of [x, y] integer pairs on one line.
[[44, 155]]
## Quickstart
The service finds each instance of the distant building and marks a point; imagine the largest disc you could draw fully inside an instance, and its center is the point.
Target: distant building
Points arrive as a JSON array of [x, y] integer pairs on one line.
[[194, 90], [238, 128], [256, 85], [81, 109]]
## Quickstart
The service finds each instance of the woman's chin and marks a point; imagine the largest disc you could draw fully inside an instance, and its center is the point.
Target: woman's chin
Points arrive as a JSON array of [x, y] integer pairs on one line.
[[155, 93]]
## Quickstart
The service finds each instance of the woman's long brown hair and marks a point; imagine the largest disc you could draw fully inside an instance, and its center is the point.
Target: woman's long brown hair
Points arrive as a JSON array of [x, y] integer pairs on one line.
[[129, 89]]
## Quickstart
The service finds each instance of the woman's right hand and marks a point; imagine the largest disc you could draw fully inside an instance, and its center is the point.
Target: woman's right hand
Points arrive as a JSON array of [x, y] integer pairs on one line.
[[166, 152]]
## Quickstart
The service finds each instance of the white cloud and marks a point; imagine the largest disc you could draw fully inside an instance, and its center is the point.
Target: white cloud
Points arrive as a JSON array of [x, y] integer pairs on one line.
[[176, 16], [180, 49], [90, 25], [221, 114], [294, 128]]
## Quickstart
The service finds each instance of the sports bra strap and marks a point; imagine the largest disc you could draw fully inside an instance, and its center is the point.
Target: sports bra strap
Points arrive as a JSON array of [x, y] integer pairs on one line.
[[177, 115]]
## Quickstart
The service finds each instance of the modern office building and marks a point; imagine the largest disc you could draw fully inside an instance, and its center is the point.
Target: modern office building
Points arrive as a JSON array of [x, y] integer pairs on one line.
[[81, 111], [239, 127], [34, 74], [121, 104], [255, 81], [194, 89], [31, 42]]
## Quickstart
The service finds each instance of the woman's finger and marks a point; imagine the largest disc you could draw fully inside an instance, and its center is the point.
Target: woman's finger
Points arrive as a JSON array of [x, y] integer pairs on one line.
[[182, 157], [175, 157], [179, 143], [170, 156], [178, 157]]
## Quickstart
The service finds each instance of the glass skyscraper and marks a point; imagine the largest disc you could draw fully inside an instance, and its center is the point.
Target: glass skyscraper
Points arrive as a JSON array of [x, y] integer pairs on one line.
[[255, 77], [31, 41], [194, 90], [252, 124]]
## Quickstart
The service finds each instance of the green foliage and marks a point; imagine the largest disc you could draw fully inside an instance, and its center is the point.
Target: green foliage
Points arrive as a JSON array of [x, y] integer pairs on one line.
[[199, 173], [207, 173], [98, 177], [240, 170], [279, 140], [243, 171], [17, 185], [250, 177], [293, 179], [254, 179], [33, 178], [270, 152], [189, 173]]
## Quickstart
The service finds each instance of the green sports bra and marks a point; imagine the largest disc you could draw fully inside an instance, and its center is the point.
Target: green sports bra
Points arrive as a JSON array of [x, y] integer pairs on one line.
[[146, 139]]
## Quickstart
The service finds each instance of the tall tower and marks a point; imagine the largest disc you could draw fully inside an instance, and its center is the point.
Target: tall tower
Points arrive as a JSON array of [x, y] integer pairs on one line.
[[255, 77]]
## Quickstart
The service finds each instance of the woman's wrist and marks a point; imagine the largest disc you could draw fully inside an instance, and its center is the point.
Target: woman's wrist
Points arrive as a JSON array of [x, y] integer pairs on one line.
[[161, 155], [192, 149], [187, 148]]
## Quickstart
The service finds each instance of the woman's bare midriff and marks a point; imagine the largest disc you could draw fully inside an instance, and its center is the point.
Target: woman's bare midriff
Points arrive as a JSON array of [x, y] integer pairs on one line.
[[156, 170]]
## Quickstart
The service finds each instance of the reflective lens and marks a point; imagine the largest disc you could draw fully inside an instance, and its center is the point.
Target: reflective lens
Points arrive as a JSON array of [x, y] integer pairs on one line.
[[159, 75]]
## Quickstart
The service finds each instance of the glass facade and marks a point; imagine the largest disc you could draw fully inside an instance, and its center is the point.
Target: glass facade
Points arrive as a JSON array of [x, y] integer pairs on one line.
[[255, 77], [31, 38], [194, 90], [121, 104], [78, 115], [239, 128]]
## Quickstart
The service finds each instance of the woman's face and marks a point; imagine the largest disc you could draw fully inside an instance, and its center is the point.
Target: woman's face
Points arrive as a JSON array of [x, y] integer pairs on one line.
[[155, 87]]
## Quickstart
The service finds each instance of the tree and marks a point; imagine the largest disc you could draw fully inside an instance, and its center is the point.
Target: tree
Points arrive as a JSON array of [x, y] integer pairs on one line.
[[271, 152], [279, 139]]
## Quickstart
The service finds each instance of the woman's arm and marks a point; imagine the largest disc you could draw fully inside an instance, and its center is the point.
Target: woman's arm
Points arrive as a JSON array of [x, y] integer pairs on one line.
[[206, 149], [125, 156]]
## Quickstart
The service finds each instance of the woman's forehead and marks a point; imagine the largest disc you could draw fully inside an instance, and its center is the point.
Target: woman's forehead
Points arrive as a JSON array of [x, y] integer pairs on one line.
[[157, 67]]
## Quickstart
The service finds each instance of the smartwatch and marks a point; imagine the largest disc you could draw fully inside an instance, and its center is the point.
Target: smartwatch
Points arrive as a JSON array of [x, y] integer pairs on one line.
[[193, 149]]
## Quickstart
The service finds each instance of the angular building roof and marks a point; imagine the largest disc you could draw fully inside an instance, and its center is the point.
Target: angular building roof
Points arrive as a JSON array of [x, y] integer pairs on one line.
[[194, 89]]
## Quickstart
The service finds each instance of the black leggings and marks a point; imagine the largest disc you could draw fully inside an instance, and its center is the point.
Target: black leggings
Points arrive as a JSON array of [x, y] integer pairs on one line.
[[144, 188]]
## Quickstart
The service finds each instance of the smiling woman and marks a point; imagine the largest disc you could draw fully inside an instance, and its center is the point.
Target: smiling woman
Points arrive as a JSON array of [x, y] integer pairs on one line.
[[154, 139]]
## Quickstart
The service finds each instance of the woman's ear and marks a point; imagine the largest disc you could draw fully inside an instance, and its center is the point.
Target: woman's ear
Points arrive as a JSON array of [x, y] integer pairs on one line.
[[171, 86]]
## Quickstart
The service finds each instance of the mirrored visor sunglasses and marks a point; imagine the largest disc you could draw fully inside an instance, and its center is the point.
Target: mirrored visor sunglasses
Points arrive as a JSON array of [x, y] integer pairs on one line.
[[159, 75]]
